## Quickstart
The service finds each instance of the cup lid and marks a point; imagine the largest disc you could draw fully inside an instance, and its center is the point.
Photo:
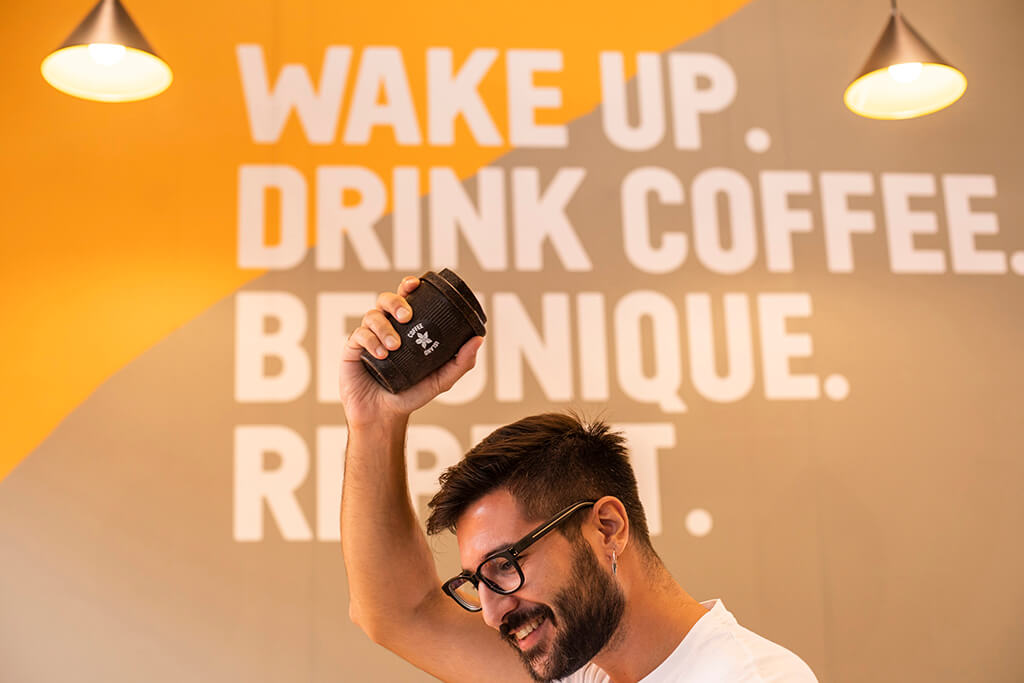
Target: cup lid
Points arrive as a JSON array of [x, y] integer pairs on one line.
[[452, 286], [464, 290]]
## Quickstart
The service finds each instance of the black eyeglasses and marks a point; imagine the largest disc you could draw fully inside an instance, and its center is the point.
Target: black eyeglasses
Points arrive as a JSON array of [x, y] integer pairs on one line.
[[500, 571]]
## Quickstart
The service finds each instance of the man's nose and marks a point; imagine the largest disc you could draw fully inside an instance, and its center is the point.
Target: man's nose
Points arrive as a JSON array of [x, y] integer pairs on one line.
[[495, 606]]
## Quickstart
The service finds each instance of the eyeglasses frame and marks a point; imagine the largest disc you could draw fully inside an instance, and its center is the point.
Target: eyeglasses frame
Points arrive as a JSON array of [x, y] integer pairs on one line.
[[513, 553]]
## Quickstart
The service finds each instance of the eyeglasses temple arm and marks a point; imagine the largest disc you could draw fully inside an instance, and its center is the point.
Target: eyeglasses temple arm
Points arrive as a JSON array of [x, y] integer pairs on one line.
[[543, 529]]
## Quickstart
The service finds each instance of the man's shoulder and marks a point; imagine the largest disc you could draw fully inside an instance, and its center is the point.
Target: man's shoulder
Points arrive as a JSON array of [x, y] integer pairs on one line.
[[591, 673], [718, 648]]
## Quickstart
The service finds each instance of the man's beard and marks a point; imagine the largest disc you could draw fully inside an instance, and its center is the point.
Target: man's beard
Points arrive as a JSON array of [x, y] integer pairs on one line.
[[590, 609]]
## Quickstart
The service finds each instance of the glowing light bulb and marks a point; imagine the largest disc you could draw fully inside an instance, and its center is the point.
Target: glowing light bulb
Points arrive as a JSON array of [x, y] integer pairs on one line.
[[106, 54], [905, 73]]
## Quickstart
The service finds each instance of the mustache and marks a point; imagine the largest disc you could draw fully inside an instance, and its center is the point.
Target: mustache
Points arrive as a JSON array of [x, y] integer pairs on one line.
[[513, 622]]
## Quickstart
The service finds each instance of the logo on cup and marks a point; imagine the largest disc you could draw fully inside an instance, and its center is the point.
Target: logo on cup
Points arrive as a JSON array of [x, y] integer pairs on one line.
[[425, 335]]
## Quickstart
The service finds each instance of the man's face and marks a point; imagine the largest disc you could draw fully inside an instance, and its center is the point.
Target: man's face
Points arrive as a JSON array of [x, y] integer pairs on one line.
[[569, 606]]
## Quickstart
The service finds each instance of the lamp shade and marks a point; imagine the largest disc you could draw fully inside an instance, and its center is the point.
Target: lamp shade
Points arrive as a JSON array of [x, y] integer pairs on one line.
[[904, 77], [107, 58]]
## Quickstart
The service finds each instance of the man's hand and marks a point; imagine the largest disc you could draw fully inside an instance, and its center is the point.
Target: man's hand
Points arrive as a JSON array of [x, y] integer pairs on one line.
[[363, 399]]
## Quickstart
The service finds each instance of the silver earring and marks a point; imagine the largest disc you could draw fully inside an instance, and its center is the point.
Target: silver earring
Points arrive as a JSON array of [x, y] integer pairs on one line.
[[615, 565]]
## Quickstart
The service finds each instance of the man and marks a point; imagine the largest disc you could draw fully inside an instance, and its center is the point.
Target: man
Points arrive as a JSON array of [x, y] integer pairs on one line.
[[553, 543]]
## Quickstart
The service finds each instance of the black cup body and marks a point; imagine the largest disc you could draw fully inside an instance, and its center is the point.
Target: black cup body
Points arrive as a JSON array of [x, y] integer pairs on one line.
[[445, 315]]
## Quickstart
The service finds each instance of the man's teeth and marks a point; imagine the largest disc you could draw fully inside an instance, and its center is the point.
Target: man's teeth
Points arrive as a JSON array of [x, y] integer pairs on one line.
[[528, 629]]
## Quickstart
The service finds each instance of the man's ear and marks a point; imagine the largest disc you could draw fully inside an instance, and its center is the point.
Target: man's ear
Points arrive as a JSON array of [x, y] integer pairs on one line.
[[612, 523]]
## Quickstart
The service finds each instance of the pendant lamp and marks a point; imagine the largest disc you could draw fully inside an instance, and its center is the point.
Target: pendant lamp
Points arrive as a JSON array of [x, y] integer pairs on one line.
[[106, 58], [903, 77]]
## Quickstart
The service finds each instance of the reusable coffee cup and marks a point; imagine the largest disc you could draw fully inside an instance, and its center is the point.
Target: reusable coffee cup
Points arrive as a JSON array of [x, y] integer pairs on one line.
[[445, 315]]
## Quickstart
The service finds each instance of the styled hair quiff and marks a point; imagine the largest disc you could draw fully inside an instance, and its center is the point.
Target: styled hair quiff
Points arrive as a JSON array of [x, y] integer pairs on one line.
[[547, 462]]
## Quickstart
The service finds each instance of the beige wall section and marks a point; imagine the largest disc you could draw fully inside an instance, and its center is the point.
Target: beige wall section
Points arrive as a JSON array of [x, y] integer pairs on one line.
[[876, 536]]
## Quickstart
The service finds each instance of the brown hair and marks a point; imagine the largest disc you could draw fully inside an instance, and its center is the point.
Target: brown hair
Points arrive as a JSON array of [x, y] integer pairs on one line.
[[547, 462]]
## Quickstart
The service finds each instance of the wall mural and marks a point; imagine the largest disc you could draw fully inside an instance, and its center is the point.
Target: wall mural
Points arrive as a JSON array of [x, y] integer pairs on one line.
[[806, 323]]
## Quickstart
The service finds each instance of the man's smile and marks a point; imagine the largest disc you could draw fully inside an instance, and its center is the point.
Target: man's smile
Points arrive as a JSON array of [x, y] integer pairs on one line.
[[525, 630], [530, 635]]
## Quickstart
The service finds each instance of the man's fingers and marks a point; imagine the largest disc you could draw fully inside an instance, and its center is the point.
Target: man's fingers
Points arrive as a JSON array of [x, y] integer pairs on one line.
[[407, 285], [381, 326], [364, 338], [396, 305]]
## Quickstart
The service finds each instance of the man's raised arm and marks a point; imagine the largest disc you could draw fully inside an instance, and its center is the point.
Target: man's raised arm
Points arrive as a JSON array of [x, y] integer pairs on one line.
[[394, 590]]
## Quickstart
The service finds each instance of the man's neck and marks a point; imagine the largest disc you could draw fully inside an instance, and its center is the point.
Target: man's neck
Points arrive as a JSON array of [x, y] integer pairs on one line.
[[658, 615]]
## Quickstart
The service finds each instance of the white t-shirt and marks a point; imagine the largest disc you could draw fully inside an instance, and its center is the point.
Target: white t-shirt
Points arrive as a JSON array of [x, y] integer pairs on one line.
[[718, 650]]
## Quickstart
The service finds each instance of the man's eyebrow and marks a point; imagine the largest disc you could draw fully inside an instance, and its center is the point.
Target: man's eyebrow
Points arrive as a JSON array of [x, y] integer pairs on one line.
[[498, 549], [489, 553]]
